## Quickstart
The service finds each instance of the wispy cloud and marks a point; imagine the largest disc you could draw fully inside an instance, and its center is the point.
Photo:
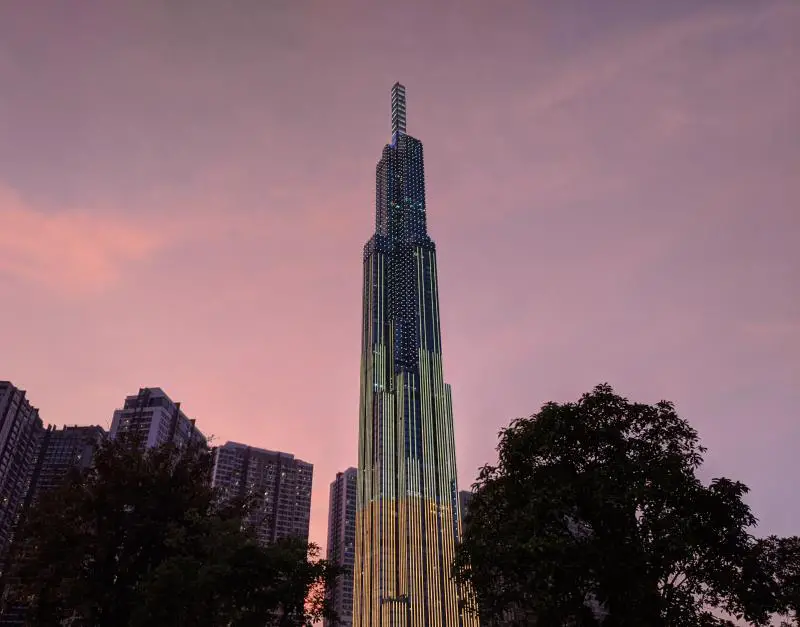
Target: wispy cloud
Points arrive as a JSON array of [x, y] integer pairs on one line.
[[84, 251], [614, 57], [69, 251]]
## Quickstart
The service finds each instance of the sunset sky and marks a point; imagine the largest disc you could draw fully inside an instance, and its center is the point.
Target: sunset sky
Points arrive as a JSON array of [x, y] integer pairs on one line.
[[614, 189]]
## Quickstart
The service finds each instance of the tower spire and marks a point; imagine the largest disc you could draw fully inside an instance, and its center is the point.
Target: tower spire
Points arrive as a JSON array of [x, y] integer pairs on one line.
[[398, 111]]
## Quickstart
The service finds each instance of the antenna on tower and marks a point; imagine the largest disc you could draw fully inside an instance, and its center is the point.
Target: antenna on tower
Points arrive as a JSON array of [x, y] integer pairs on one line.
[[398, 111]]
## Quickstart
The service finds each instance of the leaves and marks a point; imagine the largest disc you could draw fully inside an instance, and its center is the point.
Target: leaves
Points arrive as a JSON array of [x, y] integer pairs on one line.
[[594, 515]]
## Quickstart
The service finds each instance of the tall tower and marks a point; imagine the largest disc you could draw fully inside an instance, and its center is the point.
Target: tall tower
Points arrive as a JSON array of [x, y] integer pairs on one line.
[[408, 518]]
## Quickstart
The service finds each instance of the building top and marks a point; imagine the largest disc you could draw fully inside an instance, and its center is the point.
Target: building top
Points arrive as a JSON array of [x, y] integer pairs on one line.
[[155, 397], [8, 385], [253, 449], [71, 427], [156, 417]]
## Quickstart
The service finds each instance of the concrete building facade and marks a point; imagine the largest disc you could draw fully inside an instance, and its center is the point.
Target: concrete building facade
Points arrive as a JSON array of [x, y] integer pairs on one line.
[[20, 432], [60, 451], [341, 543], [279, 483], [155, 418]]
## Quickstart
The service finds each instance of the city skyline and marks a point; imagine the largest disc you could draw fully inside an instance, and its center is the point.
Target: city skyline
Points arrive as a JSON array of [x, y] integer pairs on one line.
[[37, 458], [614, 189]]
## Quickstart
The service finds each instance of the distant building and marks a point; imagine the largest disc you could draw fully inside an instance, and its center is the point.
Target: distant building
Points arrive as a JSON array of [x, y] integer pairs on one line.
[[20, 433], [155, 418], [280, 484], [464, 499], [59, 452], [341, 543]]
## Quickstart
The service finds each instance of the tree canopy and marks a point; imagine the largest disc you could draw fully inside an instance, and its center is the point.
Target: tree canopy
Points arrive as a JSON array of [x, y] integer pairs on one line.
[[594, 514], [142, 539]]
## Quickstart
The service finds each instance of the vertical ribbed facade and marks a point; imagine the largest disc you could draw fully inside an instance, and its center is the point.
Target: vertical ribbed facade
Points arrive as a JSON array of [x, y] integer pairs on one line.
[[408, 517]]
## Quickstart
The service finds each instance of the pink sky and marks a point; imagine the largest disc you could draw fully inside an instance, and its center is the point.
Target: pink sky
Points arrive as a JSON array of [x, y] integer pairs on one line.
[[185, 189]]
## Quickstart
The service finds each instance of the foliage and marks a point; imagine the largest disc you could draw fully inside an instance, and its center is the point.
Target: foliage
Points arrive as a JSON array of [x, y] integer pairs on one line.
[[595, 515], [142, 540], [775, 566]]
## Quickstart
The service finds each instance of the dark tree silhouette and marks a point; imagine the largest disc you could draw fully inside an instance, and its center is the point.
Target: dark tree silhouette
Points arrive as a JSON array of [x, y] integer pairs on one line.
[[594, 515]]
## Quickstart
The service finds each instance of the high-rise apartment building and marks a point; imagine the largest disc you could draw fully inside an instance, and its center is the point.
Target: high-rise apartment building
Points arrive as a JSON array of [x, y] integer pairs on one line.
[[152, 416], [61, 451], [407, 518], [58, 451], [342, 543], [20, 431], [279, 483]]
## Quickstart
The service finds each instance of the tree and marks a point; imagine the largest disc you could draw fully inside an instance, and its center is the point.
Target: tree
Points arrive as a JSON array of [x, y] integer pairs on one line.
[[142, 539], [775, 564], [594, 515]]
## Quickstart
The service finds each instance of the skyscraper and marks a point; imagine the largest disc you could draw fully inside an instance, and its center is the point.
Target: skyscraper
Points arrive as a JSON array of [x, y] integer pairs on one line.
[[280, 484], [341, 543], [20, 433], [407, 520], [155, 418]]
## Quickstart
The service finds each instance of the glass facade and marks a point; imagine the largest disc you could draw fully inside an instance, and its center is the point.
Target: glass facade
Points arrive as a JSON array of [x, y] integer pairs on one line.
[[408, 517]]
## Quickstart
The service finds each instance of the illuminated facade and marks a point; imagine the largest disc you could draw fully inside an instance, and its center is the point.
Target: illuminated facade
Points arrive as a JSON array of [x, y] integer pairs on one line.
[[408, 515]]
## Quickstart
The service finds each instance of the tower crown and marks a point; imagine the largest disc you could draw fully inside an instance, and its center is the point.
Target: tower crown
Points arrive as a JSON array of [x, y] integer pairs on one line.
[[398, 111]]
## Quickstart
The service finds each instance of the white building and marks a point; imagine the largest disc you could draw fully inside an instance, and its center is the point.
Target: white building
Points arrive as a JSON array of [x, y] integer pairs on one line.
[[154, 417]]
